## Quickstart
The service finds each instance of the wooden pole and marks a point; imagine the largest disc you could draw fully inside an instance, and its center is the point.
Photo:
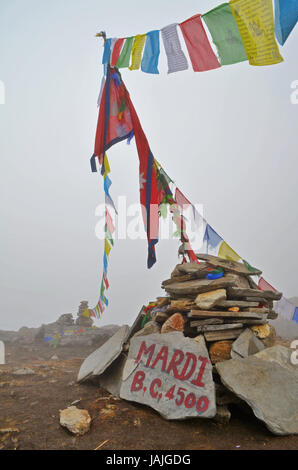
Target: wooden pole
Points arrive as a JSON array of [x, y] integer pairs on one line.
[[102, 34]]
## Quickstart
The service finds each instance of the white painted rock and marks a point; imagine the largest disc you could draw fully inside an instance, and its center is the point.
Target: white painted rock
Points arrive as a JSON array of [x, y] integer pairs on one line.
[[170, 373], [75, 420]]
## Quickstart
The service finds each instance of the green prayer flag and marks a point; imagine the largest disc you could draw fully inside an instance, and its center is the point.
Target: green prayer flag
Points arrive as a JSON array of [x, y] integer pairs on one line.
[[248, 266], [124, 58], [108, 235], [225, 34], [163, 209]]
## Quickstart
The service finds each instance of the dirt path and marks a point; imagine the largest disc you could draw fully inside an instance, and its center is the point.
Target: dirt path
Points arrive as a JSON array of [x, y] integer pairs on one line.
[[31, 405]]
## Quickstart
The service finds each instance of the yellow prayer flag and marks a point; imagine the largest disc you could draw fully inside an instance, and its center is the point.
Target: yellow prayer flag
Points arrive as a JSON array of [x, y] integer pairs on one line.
[[86, 313], [256, 25], [226, 252], [137, 49], [107, 247], [106, 166]]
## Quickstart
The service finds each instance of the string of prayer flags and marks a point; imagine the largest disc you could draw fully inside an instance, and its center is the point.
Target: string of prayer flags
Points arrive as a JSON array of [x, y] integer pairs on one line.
[[151, 53], [256, 25], [241, 30], [286, 17], [184, 203], [175, 56], [137, 50], [226, 252], [200, 51], [108, 243], [225, 34], [166, 197], [124, 58]]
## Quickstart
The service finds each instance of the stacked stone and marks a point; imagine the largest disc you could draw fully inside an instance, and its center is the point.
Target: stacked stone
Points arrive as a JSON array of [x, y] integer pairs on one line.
[[82, 320], [230, 312]]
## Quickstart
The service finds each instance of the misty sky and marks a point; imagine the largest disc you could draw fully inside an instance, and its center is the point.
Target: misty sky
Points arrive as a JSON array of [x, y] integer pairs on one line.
[[227, 137]]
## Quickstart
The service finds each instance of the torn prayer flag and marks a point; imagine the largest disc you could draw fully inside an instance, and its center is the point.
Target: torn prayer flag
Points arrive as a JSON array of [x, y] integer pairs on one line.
[[117, 121]]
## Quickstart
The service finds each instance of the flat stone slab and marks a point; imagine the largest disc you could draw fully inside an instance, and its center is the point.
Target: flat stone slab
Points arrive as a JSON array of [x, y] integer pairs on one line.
[[246, 345], [268, 388], [280, 355], [258, 294], [225, 314], [102, 358], [172, 374], [199, 286], [229, 265], [111, 378]]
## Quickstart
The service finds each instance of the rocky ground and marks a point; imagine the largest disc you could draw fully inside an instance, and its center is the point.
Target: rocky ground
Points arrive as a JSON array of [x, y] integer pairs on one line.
[[30, 404]]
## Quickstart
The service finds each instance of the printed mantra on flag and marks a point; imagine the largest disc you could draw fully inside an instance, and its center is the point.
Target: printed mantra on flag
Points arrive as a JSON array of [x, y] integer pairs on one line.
[[170, 361]]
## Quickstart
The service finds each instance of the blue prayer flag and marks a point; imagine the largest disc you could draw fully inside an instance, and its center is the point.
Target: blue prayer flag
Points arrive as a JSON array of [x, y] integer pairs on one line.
[[211, 237], [286, 16], [295, 316], [151, 53], [107, 51]]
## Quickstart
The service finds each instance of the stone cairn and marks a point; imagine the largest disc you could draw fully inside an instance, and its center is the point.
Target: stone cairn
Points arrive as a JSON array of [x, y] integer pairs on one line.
[[82, 320], [219, 309]]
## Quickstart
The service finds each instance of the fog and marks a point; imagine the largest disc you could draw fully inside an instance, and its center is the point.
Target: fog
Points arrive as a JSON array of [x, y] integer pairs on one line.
[[227, 137]]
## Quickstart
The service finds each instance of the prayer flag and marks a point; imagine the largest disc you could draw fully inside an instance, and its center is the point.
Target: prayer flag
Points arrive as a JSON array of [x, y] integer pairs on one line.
[[264, 285], [200, 51], [116, 51], [107, 51], [124, 57], [176, 57], [284, 308], [116, 110], [211, 238], [295, 316], [225, 34], [137, 49], [256, 25], [151, 53], [226, 252], [286, 17]]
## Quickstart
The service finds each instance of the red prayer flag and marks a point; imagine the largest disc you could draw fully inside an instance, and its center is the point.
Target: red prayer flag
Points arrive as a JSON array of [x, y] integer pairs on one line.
[[264, 285], [116, 52], [200, 51], [181, 199]]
